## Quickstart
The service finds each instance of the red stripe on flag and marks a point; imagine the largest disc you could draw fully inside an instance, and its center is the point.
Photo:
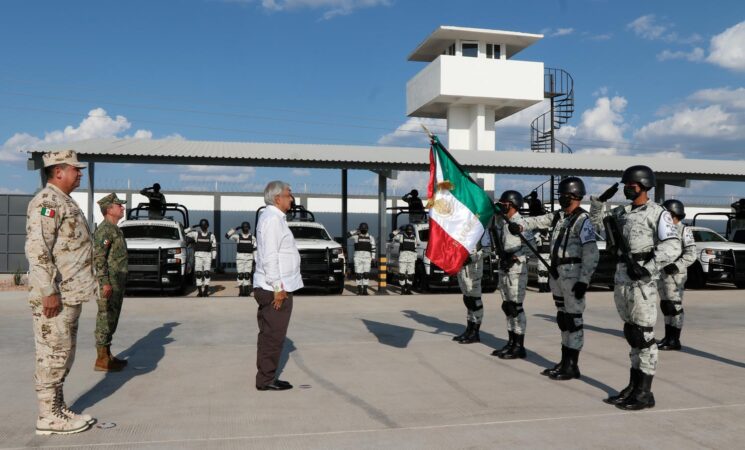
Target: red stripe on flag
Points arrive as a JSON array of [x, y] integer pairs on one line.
[[445, 251], [432, 172]]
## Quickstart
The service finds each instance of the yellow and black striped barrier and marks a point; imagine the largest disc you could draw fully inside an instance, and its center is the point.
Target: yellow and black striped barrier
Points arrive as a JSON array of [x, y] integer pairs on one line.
[[382, 276]]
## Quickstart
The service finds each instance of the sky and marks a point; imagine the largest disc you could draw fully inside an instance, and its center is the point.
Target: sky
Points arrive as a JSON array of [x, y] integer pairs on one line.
[[662, 78]]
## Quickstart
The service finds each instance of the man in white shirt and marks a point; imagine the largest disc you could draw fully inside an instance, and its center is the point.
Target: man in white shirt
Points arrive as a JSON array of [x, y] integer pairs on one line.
[[277, 276]]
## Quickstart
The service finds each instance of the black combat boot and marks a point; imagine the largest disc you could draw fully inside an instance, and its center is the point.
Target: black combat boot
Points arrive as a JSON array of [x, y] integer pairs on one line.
[[510, 343], [364, 290], [465, 332], [241, 291], [359, 289], [472, 337], [199, 291], [206, 292], [564, 357], [569, 370], [634, 377], [642, 397], [517, 350], [665, 340], [673, 339]]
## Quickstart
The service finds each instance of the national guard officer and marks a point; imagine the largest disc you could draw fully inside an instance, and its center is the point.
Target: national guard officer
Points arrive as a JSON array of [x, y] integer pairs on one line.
[[157, 201], [673, 279], [469, 281], [364, 251], [244, 257], [408, 242], [111, 270], [205, 251], [574, 257], [59, 249], [513, 273], [650, 238]]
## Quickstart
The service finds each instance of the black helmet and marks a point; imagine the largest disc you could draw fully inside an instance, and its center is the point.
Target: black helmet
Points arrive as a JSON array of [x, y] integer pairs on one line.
[[204, 223], [414, 193], [245, 225], [156, 187], [513, 197], [676, 208], [572, 185], [639, 174], [363, 227], [409, 229]]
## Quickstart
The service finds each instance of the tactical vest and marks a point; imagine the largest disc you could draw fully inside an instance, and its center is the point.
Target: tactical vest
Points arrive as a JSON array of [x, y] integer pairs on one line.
[[408, 244], [245, 245], [363, 244], [203, 243]]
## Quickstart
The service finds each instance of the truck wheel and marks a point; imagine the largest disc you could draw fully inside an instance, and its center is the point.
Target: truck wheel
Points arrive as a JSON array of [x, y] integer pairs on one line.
[[338, 289], [740, 284], [420, 278], [696, 277]]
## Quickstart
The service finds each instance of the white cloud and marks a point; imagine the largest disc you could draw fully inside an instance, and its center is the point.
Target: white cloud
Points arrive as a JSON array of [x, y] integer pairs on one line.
[[211, 174], [709, 122], [727, 49], [695, 55], [407, 180], [97, 124], [729, 98], [602, 91], [647, 27], [332, 8], [301, 172], [411, 134], [557, 32], [4, 190]]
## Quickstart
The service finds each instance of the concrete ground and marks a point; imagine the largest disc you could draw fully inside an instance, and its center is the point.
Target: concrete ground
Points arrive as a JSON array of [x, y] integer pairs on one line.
[[379, 372]]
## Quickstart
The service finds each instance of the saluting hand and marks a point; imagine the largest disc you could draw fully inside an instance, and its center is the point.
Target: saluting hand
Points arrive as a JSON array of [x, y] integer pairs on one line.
[[51, 305], [610, 192]]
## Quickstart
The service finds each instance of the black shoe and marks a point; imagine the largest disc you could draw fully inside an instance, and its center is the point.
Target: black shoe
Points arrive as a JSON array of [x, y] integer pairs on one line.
[[547, 372], [206, 291], [364, 290], [274, 386], [569, 369], [510, 343], [282, 383], [634, 377], [642, 397], [517, 350], [473, 337], [359, 289], [665, 340], [199, 291], [673, 343], [465, 333]]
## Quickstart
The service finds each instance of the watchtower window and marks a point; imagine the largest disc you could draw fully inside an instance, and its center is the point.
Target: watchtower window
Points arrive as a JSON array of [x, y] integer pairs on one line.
[[470, 49], [450, 50], [493, 51]]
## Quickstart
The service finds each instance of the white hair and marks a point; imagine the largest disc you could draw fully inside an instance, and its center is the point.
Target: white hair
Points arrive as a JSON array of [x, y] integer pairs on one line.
[[273, 189]]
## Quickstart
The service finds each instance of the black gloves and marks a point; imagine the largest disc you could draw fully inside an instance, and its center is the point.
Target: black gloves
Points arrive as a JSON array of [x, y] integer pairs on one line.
[[671, 269], [636, 271], [579, 289], [514, 228], [610, 192]]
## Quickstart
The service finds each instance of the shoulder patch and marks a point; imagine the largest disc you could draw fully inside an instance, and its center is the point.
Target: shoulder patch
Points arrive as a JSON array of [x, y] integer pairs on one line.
[[48, 212], [688, 237], [587, 232], [666, 228]]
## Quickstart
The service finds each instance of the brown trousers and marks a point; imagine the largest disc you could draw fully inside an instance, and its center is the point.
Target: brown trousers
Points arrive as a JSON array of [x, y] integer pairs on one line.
[[272, 331]]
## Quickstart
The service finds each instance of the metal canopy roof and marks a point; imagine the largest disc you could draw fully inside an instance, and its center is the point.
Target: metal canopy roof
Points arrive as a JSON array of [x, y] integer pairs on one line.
[[444, 36], [173, 151]]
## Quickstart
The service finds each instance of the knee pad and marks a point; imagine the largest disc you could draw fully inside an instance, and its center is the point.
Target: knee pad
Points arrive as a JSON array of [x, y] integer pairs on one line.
[[478, 305], [634, 335], [571, 320], [561, 320], [358, 276], [558, 301], [668, 308], [511, 309], [207, 274], [469, 302], [199, 275], [246, 275], [366, 275], [240, 276]]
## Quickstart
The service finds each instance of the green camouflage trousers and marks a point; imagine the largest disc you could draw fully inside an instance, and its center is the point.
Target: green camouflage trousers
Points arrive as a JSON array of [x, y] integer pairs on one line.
[[636, 303], [109, 309], [55, 341]]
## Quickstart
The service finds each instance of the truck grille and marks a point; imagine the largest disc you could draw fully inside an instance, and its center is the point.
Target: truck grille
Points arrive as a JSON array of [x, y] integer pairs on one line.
[[313, 261], [142, 257]]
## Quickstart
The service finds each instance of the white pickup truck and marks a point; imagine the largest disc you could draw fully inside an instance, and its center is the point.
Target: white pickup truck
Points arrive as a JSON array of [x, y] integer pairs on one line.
[[719, 260]]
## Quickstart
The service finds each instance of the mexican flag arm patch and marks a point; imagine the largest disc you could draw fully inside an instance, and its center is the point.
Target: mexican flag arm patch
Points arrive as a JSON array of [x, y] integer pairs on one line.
[[48, 212]]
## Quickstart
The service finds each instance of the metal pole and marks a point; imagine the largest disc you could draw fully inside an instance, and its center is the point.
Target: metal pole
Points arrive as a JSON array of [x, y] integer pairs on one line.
[[91, 190], [553, 137], [344, 218], [382, 260], [216, 229]]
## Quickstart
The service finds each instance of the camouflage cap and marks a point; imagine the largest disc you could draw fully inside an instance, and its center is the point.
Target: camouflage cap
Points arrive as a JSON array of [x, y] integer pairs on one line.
[[69, 157], [109, 200]]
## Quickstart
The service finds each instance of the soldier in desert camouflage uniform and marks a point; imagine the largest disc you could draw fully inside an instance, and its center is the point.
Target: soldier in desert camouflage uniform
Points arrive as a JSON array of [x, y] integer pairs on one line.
[[513, 274], [111, 271], [574, 255], [673, 279], [652, 239], [59, 250]]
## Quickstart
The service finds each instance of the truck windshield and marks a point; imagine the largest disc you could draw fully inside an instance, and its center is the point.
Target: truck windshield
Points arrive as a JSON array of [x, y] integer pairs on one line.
[[150, 232], [309, 233], [707, 236]]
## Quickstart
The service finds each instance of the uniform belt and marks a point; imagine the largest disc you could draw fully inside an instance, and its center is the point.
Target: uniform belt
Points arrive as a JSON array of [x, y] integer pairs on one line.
[[569, 261], [646, 256]]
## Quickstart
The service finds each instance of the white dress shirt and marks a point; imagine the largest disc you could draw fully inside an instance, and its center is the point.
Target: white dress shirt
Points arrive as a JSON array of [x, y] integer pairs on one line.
[[277, 258]]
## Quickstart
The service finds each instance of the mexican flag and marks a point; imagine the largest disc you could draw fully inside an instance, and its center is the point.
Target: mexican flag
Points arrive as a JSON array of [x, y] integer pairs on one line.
[[459, 210]]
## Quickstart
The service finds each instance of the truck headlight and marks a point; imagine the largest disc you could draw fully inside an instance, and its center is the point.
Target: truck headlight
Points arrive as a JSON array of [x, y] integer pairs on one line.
[[174, 251]]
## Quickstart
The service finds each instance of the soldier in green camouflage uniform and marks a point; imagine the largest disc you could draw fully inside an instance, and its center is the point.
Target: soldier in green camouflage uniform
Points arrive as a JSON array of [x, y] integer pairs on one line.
[[59, 250], [111, 270], [653, 243], [574, 254]]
